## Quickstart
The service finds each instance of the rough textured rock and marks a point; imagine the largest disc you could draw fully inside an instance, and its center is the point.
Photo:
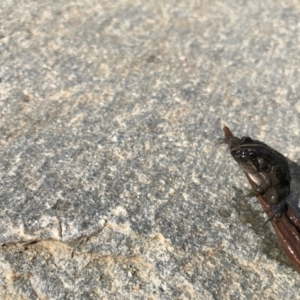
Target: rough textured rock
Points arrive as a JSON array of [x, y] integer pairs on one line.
[[112, 186]]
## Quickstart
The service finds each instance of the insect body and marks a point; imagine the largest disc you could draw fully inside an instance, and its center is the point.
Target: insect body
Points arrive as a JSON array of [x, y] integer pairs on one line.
[[267, 168], [268, 173]]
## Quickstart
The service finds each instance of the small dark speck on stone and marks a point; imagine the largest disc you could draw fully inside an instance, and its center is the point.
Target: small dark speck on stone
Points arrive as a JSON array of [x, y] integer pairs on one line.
[[224, 213], [152, 59], [26, 98]]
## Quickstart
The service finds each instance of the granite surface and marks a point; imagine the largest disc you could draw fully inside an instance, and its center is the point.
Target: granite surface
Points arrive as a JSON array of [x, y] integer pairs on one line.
[[112, 186]]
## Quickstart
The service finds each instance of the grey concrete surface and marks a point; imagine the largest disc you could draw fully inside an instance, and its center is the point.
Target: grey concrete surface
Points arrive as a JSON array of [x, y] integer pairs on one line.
[[112, 186]]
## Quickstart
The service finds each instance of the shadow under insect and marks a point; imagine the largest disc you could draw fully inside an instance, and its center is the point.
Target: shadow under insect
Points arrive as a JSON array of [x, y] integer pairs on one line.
[[250, 213]]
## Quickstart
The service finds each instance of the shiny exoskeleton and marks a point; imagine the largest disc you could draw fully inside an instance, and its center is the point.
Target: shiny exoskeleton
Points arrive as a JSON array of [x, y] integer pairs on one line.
[[267, 168]]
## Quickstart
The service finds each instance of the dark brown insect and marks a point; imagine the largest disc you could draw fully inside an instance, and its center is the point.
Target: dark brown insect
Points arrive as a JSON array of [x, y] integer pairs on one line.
[[268, 173]]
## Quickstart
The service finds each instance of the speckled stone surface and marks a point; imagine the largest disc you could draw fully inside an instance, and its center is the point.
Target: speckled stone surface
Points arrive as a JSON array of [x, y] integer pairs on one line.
[[112, 186]]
